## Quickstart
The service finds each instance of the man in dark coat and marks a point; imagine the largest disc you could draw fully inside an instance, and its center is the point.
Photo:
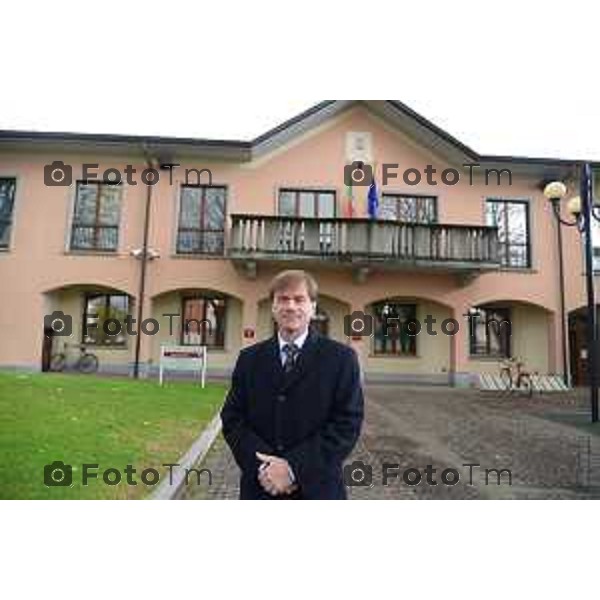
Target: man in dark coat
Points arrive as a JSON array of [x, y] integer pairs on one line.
[[295, 406]]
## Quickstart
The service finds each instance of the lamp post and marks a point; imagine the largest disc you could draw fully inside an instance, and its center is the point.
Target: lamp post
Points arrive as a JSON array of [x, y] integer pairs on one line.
[[584, 211], [560, 189]]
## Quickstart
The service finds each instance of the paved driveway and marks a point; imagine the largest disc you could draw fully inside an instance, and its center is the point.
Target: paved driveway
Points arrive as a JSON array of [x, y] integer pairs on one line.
[[545, 442]]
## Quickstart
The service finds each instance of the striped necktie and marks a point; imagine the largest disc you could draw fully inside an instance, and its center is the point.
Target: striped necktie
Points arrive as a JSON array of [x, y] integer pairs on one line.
[[291, 352]]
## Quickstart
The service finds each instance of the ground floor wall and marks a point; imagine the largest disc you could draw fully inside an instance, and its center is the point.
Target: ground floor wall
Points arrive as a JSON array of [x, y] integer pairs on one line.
[[439, 358]]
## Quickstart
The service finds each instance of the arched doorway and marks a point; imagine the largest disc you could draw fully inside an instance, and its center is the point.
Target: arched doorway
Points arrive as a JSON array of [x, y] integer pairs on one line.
[[78, 315], [320, 322], [329, 318], [400, 347]]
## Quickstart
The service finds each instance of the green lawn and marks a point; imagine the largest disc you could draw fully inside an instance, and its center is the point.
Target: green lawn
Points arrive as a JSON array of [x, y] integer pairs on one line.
[[86, 419]]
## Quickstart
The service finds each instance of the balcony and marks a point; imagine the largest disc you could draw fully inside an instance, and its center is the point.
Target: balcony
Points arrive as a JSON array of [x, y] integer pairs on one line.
[[363, 243]]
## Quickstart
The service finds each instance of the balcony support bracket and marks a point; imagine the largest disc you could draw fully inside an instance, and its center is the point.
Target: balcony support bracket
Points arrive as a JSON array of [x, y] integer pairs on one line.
[[248, 268], [466, 278], [361, 274]]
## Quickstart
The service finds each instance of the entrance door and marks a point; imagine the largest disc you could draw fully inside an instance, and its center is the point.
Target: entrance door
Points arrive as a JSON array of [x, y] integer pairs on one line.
[[47, 348], [320, 322], [578, 346]]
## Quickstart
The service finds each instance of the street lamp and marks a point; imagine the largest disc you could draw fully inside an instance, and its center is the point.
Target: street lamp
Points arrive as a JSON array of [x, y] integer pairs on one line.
[[582, 211], [554, 192]]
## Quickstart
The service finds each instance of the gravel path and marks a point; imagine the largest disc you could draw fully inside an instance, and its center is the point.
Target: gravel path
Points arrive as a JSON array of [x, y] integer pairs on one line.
[[546, 442]]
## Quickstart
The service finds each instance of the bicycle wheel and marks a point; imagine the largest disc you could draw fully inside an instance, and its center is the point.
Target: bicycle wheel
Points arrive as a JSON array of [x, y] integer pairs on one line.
[[527, 384], [88, 363], [58, 362]]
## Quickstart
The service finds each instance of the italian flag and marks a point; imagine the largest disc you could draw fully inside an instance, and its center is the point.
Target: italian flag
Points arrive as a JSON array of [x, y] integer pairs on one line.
[[349, 210]]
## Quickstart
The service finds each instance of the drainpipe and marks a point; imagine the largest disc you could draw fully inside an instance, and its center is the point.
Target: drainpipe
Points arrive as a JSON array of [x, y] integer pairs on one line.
[[144, 266]]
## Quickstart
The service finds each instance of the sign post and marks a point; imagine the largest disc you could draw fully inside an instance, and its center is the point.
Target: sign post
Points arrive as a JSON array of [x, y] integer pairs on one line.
[[183, 358]]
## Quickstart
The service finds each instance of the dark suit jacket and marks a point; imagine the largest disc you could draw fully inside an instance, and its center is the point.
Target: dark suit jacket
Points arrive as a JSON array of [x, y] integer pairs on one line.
[[311, 417]]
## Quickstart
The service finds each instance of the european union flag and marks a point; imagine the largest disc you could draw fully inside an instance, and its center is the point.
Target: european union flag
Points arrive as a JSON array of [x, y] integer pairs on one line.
[[373, 201]]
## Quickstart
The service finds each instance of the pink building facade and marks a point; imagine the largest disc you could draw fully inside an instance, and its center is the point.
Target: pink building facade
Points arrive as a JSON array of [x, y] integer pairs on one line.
[[444, 243]]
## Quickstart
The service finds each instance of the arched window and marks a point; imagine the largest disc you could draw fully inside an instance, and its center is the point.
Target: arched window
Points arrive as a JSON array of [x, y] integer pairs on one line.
[[98, 308], [392, 329], [489, 331], [203, 321]]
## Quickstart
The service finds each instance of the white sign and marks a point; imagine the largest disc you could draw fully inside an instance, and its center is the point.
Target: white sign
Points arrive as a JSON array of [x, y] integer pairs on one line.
[[359, 146], [183, 358]]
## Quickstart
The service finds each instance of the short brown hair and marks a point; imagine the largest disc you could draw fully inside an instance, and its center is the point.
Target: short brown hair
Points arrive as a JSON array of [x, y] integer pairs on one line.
[[292, 277]]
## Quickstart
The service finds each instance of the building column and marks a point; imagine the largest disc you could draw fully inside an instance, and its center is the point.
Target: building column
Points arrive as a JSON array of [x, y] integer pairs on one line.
[[249, 332], [360, 344], [460, 369], [29, 333], [146, 340], [555, 354]]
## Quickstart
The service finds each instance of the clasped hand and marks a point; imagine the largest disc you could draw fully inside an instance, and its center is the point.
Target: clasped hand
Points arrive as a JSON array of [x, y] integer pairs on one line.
[[274, 475]]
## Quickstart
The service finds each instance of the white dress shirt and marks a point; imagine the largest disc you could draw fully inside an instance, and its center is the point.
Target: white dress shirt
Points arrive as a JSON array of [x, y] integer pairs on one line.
[[298, 342]]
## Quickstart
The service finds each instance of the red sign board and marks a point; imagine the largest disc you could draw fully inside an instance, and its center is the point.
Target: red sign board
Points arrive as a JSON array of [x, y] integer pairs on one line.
[[182, 354]]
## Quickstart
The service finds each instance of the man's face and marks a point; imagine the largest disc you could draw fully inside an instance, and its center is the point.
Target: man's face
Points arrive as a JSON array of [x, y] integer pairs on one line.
[[293, 309]]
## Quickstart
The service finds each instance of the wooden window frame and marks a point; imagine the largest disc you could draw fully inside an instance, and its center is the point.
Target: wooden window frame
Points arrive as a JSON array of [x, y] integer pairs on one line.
[[8, 221], [219, 336], [315, 192], [423, 197], [107, 295], [95, 226], [505, 254], [201, 230], [506, 352], [412, 352]]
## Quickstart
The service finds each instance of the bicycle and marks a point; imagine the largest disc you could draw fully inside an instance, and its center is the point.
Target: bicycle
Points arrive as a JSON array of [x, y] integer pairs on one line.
[[515, 377], [86, 362]]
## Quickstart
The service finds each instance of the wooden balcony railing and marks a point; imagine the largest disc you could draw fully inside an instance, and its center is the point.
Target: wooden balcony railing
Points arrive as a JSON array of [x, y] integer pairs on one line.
[[363, 240]]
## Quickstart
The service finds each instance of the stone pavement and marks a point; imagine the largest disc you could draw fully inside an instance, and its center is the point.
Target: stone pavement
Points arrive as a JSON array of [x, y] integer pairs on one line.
[[546, 442]]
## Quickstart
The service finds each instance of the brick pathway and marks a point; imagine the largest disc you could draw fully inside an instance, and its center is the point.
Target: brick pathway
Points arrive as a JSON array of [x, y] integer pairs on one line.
[[545, 441]]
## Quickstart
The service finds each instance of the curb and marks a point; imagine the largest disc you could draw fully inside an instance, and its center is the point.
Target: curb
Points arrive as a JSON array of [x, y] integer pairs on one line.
[[198, 450]]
